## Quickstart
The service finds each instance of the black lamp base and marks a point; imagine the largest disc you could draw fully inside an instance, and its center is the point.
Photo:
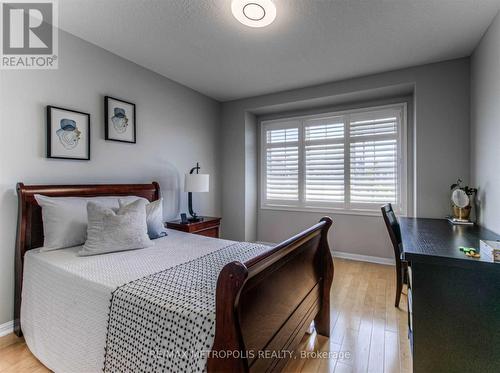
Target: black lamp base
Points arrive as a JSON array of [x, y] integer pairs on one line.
[[194, 217]]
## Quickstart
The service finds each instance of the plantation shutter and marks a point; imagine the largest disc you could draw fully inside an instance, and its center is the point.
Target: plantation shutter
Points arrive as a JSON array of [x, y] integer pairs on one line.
[[374, 158], [282, 164], [324, 160], [352, 160]]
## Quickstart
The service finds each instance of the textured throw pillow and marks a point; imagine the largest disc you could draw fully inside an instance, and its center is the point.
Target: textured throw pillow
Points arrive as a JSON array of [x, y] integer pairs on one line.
[[154, 218], [112, 230], [65, 218]]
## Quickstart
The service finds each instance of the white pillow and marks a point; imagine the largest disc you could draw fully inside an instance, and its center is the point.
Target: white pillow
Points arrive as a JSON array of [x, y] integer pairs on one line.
[[154, 218], [65, 218], [109, 230]]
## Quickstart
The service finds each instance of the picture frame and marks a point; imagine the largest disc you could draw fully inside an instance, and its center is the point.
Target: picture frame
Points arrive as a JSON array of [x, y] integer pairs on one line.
[[119, 120], [68, 134]]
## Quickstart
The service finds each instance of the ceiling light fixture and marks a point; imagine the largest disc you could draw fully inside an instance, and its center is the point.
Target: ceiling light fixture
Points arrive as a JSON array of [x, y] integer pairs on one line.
[[254, 13]]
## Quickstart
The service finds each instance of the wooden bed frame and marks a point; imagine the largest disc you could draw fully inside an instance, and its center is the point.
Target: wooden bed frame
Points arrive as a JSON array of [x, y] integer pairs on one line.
[[263, 306]]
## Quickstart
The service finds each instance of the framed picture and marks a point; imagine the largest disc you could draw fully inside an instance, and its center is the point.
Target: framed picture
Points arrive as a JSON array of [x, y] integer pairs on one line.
[[68, 134], [119, 122]]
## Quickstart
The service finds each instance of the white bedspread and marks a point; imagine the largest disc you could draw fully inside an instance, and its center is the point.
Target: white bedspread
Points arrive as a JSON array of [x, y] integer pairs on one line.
[[66, 298]]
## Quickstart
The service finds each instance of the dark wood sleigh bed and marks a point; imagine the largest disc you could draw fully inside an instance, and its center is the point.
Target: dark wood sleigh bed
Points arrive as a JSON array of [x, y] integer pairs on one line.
[[264, 304]]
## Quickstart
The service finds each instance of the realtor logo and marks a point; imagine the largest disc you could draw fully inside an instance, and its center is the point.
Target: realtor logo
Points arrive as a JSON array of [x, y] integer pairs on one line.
[[29, 34]]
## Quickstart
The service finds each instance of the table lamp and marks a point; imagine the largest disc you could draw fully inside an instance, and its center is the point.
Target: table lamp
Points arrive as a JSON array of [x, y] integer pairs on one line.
[[195, 183]]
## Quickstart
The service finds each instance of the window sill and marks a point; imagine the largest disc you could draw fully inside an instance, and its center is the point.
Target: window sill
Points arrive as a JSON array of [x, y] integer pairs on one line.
[[339, 211]]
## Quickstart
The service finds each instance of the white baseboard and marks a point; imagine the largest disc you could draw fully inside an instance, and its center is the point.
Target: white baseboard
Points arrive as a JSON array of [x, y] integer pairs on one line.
[[344, 255], [6, 328], [363, 258], [266, 243]]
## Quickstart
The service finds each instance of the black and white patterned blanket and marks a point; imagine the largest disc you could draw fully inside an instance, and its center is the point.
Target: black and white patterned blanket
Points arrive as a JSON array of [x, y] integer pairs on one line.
[[165, 322]]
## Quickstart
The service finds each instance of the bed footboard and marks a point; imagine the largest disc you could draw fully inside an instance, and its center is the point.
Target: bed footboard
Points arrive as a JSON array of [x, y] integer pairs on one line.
[[264, 306]]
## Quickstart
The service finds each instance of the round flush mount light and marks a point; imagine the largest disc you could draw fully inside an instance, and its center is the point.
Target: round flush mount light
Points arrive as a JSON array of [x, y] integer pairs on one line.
[[254, 13]]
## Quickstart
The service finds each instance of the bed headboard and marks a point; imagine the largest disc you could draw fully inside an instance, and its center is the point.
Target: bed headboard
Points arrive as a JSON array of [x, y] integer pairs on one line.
[[30, 227]]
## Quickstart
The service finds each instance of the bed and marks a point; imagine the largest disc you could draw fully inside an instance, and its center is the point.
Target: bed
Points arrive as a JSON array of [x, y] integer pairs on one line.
[[263, 302]]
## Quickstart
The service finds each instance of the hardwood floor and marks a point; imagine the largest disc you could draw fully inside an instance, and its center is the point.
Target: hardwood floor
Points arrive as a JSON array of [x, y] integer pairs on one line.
[[15, 357], [368, 333]]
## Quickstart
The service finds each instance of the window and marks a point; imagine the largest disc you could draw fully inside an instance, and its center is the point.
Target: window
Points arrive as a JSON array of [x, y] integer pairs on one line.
[[353, 160]]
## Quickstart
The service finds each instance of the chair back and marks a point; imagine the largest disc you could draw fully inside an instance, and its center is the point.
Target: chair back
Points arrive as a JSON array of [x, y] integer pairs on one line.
[[392, 224]]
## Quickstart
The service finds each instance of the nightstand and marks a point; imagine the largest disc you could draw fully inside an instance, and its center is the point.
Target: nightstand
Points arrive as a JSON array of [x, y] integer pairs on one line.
[[209, 226]]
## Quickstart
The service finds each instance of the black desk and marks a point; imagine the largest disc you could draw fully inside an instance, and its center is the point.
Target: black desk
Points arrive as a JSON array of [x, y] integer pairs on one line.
[[454, 300]]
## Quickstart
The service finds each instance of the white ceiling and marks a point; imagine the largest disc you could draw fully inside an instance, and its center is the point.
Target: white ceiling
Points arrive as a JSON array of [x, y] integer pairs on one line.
[[199, 43]]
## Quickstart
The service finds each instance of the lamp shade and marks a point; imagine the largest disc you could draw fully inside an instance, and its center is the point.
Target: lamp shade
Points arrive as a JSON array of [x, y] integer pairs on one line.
[[196, 183]]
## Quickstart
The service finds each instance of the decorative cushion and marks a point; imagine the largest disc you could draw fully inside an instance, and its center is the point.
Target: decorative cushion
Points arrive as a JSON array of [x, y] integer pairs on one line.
[[65, 218], [112, 230], [154, 218]]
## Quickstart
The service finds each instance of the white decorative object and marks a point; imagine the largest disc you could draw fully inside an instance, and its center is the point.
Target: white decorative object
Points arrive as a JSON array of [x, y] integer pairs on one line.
[[460, 198], [110, 231], [490, 250]]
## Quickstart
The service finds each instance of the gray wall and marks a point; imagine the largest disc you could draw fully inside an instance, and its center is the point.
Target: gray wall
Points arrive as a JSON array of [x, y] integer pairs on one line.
[[439, 153], [485, 126], [176, 127]]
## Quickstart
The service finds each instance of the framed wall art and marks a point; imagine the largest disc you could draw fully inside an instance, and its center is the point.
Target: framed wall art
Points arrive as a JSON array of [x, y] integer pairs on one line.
[[68, 134], [119, 121]]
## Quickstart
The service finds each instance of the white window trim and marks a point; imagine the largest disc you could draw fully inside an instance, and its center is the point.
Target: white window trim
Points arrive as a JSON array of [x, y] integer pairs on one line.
[[341, 207]]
